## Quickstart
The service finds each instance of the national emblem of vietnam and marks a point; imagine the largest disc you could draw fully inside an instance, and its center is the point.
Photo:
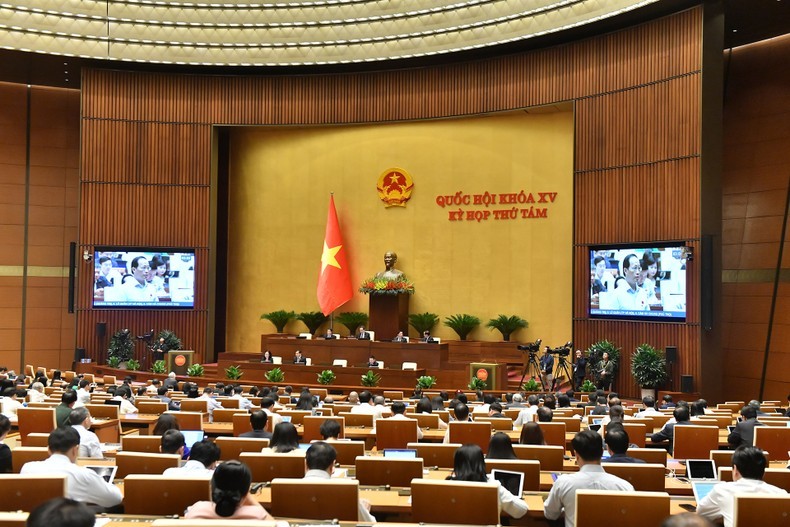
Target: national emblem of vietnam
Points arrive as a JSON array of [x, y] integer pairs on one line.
[[395, 186]]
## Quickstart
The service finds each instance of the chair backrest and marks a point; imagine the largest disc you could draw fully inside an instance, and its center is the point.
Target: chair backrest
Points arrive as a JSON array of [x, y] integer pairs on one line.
[[647, 477], [24, 454], [225, 415], [194, 405], [497, 423], [103, 411], [189, 420], [426, 420], [550, 456], [151, 407], [637, 432], [395, 433], [721, 458], [392, 395], [357, 419], [348, 451], [266, 467], [109, 380], [383, 471], [440, 455], [158, 495], [306, 336], [553, 433], [312, 424], [229, 402], [722, 421], [29, 420], [649, 455], [37, 439], [572, 424], [474, 433], [409, 366], [340, 362], [454, 502], [26, 492], [778, 477], [695, 442], [308, 361], [144, 463], [297, 416], [241, 424], [137, 443], [232, 447], [277, 360], [774, 440], [770, 509], [530, 468], [594, 508], [315, 499]]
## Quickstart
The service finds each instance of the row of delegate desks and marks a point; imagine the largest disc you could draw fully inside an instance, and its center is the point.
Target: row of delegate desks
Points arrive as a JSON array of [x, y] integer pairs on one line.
[[298, 374]]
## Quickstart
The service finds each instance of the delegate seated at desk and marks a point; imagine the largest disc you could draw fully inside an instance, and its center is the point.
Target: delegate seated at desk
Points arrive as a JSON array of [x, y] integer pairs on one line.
[[399, 337], [329, 335], [298, 358]]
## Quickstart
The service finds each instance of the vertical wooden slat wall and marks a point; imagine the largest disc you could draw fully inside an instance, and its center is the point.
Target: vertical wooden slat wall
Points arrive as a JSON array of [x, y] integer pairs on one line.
[[146, 155]]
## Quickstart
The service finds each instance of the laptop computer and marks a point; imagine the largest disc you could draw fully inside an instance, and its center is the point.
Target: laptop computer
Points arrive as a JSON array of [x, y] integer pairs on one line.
[[701, 470], [192, 436], [286, 418], [702, 488], [105, 471], [400, 453], [512, 481]]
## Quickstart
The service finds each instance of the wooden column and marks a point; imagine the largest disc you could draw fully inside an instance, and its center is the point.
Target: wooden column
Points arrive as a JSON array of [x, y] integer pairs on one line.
[[388, 315]]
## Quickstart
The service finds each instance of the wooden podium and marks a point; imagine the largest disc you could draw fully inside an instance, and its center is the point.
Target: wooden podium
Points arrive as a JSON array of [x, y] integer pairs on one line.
[[494, 375], [388, 315], [179, 361]]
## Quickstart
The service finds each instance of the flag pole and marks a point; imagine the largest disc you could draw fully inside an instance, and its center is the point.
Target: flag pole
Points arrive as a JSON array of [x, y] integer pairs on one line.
[[332, 314]]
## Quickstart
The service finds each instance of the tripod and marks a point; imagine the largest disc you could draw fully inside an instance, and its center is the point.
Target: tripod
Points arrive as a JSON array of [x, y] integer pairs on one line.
[[531, 367], [562, 367]]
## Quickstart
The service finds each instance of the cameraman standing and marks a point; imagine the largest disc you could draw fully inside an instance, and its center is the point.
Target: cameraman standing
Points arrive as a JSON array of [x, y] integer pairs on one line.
[[546, 369]]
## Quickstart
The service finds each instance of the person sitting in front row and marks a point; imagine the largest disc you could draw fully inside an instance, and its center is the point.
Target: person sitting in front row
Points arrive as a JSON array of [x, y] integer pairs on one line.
[[329, 430], [258, 421], [320, 460], [62, 512], [203, 458], [617, 441], [398, 410], [748, 469], [285, 440], [173, 442], [230, 496]]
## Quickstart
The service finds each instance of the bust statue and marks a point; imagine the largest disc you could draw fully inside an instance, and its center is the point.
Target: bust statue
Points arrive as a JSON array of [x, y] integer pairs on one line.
[[390, 273]]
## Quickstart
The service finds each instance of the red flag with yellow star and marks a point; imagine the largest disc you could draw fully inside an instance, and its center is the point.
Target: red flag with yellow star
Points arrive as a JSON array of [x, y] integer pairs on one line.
[[334, 282]]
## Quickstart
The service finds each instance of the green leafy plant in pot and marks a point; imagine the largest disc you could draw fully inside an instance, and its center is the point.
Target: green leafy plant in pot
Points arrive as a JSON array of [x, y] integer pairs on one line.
[[370, 379], [133, 364], [121, 347], [171, 340], [587, 386], [196, 370], [531, 385], [326, 377], [507, 325], [462, 324], [158, 367], [274, 375], [312, 319], [649, 368], [233, 372], [352, 320], [426, 381], [477, 384], [279, 318], [422, 322]]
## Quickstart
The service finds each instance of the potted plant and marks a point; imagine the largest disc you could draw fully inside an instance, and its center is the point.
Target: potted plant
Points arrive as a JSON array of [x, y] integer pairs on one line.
[[531, 385], [279, 318], [133, 364], [233, 373], [477, 384], [312, 319], [326, 377], [158, 367], [170, 341], [121, 349], [352, 320], [462, 324], [422, 322], [649, 368], [426, 381], [507, 325], [587, 386], [371, 379], [274, 375], [196, 370], [595, 354]]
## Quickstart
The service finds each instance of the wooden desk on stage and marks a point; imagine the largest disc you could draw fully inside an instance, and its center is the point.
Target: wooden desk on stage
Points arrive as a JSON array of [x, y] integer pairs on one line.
[[356, 352], [348, 376]]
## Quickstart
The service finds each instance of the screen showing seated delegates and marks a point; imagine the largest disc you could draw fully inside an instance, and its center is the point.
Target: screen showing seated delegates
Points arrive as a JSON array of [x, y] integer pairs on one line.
[[145, 278], [638, 282]]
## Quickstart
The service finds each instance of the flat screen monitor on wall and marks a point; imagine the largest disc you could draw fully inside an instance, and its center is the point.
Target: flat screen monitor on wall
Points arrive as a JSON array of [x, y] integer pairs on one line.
[[150, 278], [639, 282]]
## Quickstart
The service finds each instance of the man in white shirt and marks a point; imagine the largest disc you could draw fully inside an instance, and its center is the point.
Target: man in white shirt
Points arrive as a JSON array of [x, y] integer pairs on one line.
[[80, 420], [526, 415], [244, 403], [83, 393], [748, 469], [11, 401], [82, 484], [366, 406], [398, 409], [211, 402], [267, 405], [202, 461], [36, 393], [137, 288], [649, 404], [320, 461], [122, 394], [588, 446]]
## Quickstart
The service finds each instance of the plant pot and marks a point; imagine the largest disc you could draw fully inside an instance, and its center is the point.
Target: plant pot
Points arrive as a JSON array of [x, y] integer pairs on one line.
[[648, 391]]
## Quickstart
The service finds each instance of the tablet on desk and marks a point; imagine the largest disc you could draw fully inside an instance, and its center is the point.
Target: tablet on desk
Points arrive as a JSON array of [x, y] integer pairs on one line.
[[702, 489], [512, 481], [701, 470], [286, 418], [105, 471]]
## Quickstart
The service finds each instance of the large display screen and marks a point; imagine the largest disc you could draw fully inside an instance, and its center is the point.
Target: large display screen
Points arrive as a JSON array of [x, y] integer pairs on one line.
[[143, 278], [638, 282]]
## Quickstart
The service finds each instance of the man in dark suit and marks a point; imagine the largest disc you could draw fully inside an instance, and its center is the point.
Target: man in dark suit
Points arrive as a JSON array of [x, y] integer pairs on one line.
[[372, 362], [172, 405], [743, 433], [329, 335], [298, 358], [362, 334], [617, 444], [682, 417], [399, 337], [258, 422], [579, 369], [426, 337]]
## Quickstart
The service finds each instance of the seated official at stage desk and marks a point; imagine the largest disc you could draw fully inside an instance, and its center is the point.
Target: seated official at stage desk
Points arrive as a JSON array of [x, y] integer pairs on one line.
[[299, 358], [399, 337]]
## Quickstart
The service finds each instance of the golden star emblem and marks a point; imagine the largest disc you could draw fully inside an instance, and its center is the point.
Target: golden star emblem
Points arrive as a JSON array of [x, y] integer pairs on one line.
[[328, 256]]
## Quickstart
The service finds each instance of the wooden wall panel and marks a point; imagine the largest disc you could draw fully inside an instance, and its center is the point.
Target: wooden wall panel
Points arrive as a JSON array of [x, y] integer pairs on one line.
[[636, 93]]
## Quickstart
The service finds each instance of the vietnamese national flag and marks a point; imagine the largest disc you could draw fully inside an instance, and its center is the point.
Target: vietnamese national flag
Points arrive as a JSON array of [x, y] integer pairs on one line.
[[334, 282]]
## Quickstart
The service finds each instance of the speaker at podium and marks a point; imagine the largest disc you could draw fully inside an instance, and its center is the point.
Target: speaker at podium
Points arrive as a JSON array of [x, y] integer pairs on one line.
[[179, 361]]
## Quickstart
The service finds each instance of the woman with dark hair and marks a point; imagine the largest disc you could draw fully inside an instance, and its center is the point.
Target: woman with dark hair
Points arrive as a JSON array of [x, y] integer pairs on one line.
[[500, 447], [469, 465], [531, 434], [267, 357], [167, 422], [285, 439], [425, 406], [56, 378], [437, 402], [230, 496], [305, 401]]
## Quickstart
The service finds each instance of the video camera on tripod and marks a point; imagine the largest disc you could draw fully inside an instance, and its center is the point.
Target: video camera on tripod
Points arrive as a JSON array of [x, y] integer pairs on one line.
[[531, 347], [147, 337], [562, 351]]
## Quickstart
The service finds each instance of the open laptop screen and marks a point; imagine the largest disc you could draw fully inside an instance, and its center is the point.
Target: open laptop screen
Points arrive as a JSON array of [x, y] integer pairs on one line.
[[512, 481], [699, 469], [192, 436], [395, 453]]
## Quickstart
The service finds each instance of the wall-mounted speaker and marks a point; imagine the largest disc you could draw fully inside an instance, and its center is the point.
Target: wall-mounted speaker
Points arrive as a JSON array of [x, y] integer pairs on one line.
[[101, 329], [672, 353], [686, 383]]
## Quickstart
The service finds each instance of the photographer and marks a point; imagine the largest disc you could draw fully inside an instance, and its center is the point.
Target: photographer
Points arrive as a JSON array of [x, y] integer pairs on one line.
[[546, 369]]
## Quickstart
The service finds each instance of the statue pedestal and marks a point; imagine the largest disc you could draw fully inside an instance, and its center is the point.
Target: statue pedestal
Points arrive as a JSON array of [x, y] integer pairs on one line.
[[388, 315]]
